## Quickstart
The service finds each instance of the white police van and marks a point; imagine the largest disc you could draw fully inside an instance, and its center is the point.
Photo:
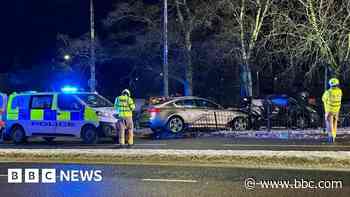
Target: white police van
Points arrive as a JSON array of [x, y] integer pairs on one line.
[[86, 115]]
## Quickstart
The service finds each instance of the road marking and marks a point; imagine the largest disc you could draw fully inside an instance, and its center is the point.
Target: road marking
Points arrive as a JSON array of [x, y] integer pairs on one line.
[[150, 144], [286, 145], [170, 180]]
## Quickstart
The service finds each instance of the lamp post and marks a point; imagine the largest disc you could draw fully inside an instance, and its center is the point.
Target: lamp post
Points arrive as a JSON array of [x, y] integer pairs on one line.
[[165, 51], [92, 81]]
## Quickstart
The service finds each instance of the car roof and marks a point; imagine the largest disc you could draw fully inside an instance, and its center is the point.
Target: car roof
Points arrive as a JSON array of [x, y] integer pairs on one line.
[[174, 99]]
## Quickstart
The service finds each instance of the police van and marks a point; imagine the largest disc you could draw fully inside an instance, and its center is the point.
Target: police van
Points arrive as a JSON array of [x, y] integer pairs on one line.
[[59, 114]]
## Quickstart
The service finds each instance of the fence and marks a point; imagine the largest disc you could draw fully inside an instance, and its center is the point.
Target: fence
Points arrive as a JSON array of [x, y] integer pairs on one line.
[[216, 120], [219, 120], [272, 118]]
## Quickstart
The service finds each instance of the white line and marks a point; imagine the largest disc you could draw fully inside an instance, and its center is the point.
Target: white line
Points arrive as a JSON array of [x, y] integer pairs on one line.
[[3, 175], [170, 180], [150, 144], [287, 145]]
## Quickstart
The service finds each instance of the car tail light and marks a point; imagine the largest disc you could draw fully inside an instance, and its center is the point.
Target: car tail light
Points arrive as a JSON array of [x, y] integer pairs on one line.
[[154, 110]]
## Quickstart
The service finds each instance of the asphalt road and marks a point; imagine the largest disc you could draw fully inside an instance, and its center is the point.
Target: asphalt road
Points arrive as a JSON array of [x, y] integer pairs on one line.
[[138, 180], [199, 143]]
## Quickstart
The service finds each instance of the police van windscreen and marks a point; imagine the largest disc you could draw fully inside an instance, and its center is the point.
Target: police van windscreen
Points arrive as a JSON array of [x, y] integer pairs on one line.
[[95, 100]]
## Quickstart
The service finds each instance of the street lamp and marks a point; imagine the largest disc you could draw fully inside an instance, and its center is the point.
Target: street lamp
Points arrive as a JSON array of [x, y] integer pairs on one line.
[[66, 57], [165, 50], [92, 81]]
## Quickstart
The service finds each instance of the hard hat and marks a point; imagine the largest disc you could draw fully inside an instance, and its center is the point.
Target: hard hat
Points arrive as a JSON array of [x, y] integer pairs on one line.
[[126, 91], [333, 82], [304, 95]]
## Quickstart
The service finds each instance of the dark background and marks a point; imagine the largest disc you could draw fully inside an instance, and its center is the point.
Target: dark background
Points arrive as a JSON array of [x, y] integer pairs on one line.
[[29, 28], [28, 45]]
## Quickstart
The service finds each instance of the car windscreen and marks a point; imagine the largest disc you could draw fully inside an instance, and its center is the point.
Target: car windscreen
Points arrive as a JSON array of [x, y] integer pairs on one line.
[[95, 100]]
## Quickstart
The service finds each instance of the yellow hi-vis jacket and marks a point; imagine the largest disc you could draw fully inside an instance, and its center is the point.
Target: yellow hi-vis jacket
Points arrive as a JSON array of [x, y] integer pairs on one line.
[[124, 106], [332, 100]]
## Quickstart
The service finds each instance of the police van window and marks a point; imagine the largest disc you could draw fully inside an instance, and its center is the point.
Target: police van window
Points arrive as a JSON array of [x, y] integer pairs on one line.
[[95, 100], [14, 103], [68, 102], [41, 102], [21, 102]]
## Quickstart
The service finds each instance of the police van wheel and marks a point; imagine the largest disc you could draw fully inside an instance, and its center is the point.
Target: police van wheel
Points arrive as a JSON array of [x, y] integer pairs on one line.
[[18, 135], [49, 139], [89, 135]]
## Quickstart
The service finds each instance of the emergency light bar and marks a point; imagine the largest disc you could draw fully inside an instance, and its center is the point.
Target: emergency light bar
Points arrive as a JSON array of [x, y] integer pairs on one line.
[[69, 89]]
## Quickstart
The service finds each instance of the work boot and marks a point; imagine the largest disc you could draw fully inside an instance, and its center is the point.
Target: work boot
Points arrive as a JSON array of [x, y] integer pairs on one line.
[[130, 145]]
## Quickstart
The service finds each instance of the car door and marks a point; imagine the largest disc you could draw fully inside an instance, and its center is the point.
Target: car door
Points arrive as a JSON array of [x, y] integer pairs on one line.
[[186, 108], [210, 112], [42, 115], [70, 115]]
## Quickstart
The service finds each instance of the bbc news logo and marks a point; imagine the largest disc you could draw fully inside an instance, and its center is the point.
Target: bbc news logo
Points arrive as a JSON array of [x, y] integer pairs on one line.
[[51, 175]]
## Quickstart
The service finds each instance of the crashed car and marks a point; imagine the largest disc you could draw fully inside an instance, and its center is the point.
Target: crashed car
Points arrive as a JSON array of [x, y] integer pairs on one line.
[[282, 111], [176, 114]]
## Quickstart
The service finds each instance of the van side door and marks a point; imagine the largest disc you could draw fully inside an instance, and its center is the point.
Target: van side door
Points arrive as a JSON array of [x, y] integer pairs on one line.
[[70, 115], [42, 115]]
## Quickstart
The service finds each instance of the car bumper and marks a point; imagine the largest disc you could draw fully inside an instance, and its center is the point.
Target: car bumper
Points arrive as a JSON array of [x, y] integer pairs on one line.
[[153, 124]]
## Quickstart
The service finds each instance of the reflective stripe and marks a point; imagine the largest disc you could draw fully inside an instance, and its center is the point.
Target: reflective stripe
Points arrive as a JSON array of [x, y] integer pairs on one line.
[[37, 114], [90, 115], [64, 116], [332, 100], [124, 106], [12, 114]]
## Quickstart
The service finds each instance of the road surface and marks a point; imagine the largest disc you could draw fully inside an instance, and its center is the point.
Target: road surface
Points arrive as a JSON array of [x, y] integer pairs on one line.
[[139, 180], [199, 143]]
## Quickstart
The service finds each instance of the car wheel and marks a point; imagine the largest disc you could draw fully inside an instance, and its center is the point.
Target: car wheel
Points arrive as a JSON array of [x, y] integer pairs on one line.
[[176, 124], [239, 124], [301, 122], [89, 135], [49, 139], [18, 135]]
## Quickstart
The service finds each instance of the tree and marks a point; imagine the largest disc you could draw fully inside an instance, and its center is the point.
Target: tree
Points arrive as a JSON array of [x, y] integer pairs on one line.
[[191, 18], [78, 51], [314, 35], [245, 28]]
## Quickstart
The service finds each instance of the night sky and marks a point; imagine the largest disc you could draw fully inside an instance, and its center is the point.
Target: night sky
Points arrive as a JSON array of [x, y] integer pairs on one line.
[[29, 28]]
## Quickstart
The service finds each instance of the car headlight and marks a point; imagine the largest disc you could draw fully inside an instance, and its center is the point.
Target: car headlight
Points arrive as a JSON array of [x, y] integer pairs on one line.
[[102, 114]]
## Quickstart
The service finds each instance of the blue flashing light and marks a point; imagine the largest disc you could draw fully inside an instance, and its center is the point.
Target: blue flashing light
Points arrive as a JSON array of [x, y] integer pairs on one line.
[[69, 89], [280, 101]]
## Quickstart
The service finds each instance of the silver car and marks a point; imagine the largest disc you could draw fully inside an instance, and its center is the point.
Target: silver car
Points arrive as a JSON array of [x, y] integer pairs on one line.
[[180, 113]]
